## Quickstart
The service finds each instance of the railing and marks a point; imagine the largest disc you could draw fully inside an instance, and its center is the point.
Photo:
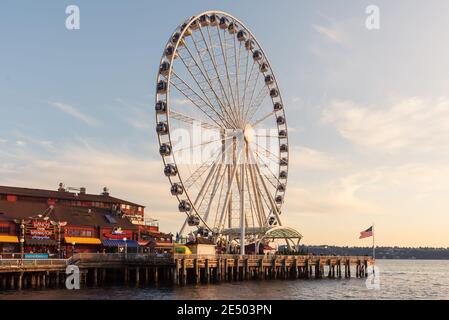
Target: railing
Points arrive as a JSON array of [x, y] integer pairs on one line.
[[269, 257], [162, 258], [120, 257], [32, 262]]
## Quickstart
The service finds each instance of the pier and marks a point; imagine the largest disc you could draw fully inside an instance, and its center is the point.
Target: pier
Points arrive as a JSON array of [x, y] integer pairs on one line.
[[97, 269]]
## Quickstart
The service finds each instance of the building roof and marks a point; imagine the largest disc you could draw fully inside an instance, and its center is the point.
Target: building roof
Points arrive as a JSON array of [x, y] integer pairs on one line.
[[75, 216], [282, 232], [63, 195]]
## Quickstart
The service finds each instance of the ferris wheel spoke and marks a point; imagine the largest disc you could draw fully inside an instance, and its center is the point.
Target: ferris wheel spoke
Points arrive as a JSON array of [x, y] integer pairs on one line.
[[252, 110], [273, 206], [260, 197], [199, 145], [228, 192], [219, 199], [253, 90], [205, 187], [196, 99], [271, 201], [266, 151], [190, 120], [266, 136], [256, 192], [225, 58], [200, 171], [203, 167], [272, 179], [252, 196], [247, 83], [237, 80], [265, 117], [203, 72], [192, 69], [218, 178], [211, 52], [204, 96]]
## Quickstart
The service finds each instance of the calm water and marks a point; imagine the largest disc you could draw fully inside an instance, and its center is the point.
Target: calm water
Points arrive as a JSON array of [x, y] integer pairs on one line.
[[399, 279]]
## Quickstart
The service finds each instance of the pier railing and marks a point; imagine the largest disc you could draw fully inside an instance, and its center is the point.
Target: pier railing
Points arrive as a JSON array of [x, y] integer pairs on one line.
[[121, 258], [31, 262]]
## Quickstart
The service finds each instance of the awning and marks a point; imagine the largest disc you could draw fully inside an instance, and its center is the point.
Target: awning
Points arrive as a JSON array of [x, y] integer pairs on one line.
[[143, 243], [120, 243], [40, 242], [9, 239], [159, 244], [82, 240]]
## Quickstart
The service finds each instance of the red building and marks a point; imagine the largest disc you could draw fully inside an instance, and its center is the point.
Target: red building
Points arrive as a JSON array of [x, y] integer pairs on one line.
[[58, 223]]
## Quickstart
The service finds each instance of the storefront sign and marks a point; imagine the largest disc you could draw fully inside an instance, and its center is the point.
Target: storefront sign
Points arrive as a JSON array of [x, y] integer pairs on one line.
[[36, 256], [40, 230]]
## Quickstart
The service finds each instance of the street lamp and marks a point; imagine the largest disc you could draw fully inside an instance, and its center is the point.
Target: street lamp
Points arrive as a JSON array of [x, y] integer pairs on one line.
[[59, 224], [21, 235], [126, 248]]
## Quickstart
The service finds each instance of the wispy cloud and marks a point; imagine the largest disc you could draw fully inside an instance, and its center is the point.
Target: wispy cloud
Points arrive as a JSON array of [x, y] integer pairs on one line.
[[334, 33], [133, 177], [411, 125], [70, 110], [181, 102], [136, 116]]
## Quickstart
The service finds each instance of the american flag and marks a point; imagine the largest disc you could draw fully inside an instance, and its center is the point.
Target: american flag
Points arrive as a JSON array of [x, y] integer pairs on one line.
[[366, 233]]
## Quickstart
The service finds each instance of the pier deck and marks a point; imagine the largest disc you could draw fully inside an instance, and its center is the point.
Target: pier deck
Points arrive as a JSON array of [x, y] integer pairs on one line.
[[140, 269]]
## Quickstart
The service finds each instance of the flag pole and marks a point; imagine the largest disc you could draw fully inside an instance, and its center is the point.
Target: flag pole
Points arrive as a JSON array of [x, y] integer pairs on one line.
[[374, 247]]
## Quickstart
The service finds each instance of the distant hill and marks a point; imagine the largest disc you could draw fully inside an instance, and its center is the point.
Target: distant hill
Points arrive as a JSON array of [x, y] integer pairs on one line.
[[381, 252]]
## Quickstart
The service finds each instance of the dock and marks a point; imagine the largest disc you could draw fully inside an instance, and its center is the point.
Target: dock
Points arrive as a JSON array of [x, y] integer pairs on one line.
[[136, 269]]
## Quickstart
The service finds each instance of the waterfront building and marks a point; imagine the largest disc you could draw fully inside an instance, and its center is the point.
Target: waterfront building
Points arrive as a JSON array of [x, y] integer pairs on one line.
[[202, 246], [59, 223]]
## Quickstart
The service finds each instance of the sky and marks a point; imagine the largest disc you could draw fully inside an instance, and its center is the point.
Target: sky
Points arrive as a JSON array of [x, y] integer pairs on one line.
[[368, 109]]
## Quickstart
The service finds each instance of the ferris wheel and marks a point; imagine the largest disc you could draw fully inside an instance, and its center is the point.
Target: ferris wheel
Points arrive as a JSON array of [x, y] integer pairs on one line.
[[222, 129]]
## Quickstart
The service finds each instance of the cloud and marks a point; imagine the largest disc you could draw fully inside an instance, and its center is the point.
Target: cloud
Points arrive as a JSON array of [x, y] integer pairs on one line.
[[181, 102], [20, 143], [3, 140], [70, 110], [414, 124], [304, 159], [133, 177], [334, 34], [137, 117]]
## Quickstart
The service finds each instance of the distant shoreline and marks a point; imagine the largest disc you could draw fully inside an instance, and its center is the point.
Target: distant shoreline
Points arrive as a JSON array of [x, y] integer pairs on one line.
[[386, 253]]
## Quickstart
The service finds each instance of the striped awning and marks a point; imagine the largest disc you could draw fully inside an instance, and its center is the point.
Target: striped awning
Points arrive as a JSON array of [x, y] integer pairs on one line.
[[82, 240], [120, 243], [9, 239]]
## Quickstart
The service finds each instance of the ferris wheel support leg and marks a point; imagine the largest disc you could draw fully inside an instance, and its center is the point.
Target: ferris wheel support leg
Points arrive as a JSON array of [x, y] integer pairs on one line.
[[242, 206], [228, 193], [273, 205]]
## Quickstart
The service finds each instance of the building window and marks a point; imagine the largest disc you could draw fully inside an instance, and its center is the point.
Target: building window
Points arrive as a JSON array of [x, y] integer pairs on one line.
[[79, 233], [4, 229], [11, 198]]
